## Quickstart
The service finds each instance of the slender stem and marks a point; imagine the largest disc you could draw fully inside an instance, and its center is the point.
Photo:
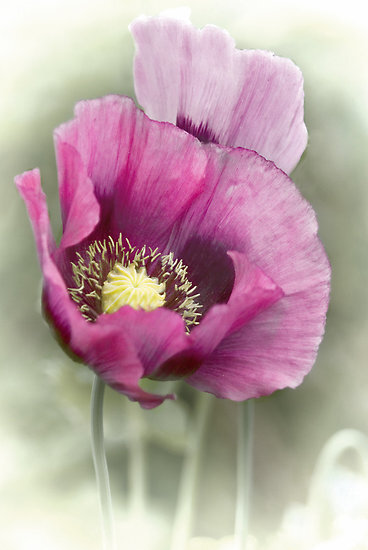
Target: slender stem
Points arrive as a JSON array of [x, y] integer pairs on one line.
[[100, 464], [189, 477], [244, 472], [137, 466]]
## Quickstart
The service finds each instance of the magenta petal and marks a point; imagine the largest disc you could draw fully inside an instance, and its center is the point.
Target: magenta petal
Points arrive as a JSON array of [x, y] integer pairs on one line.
[[273, 351], [253, 292], [255, 208], [79, 207], [198, 80], [29, 187], [123, 347], [156, 335], [136, 166], [110, 346]]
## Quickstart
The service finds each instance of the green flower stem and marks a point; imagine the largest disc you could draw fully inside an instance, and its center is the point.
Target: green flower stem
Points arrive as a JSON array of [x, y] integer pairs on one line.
[[189, 477], [99, 461], [244, 472], [137, 466]]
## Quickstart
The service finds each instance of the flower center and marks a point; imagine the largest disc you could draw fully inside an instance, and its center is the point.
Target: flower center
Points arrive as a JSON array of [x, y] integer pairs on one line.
[[111, 274], [131, 286]]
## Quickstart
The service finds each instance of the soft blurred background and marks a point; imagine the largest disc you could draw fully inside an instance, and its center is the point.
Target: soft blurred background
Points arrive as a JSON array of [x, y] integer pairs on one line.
[[55, 52]]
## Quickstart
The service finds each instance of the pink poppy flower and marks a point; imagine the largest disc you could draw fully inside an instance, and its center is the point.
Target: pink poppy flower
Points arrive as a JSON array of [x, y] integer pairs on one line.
[[178, 259], [199, 81]]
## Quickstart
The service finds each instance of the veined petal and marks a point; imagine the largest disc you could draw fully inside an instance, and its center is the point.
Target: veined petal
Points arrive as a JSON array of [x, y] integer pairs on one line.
[[274, 350], [110, 346], [79, 207], [136, 166], [253, 207], [197, 79]]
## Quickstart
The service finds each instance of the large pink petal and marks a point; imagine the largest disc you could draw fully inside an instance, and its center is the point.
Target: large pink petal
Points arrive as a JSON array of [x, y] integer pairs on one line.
[[122, 347], [198, 80], [253, 207], [136, 166]]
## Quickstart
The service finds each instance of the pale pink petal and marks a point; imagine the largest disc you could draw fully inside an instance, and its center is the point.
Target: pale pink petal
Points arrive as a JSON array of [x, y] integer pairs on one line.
[[198, 80], [136, 166]]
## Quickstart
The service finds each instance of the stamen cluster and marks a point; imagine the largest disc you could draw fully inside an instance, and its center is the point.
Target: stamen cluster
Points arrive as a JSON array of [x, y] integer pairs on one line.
[[92, 267]]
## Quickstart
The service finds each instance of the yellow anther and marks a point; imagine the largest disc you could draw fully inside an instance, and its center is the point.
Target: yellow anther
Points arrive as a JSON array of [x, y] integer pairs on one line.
[[129, 286]]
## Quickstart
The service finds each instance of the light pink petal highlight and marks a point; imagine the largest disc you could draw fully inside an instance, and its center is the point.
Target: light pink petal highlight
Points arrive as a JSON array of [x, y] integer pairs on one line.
[[198, 80]]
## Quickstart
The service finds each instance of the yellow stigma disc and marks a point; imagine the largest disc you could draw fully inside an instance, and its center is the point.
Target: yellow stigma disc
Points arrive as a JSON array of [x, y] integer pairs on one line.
[[129, 286]]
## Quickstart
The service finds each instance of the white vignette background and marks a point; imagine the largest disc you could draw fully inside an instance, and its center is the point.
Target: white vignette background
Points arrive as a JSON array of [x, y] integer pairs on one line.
[[53, 53]]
